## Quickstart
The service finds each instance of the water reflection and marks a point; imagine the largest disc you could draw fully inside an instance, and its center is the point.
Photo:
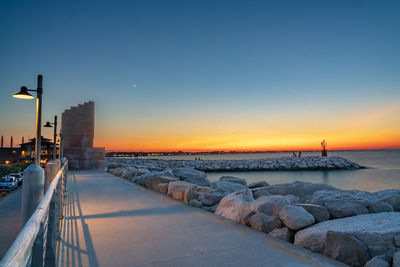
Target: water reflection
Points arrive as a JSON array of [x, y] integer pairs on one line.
[[325, 177]]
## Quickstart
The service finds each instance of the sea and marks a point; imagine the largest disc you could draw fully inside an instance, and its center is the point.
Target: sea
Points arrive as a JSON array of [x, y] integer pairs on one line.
[[382, 169]]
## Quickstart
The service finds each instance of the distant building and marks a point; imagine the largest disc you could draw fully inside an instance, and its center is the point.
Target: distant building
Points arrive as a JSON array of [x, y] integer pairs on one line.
[[78, 136], [26, 152], [46, 153]]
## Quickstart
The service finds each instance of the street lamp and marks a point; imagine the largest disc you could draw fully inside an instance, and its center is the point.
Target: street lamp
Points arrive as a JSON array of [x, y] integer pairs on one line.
[[48, 125], [24, 94], [33, 186]]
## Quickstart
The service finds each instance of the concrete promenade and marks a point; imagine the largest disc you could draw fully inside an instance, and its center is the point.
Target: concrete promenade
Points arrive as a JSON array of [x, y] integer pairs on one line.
[[10, 219], [112, 222]]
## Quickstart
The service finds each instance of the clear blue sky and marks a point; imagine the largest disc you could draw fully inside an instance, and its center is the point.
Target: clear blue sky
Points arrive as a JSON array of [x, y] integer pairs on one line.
[[213, 63]]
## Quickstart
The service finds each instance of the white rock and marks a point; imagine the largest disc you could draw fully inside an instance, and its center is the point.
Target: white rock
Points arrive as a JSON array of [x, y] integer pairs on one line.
[[182, 191], [295, 217], [346, 248], [376, 230], [320, 213], [271, 205], [235, 205], [190, 175]]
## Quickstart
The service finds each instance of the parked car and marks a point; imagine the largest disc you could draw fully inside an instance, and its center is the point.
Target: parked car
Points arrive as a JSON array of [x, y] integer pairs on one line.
[[8, 183], [18, 177]]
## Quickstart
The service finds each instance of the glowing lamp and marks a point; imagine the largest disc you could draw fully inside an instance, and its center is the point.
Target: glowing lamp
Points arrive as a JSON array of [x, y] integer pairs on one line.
[[23, 94]]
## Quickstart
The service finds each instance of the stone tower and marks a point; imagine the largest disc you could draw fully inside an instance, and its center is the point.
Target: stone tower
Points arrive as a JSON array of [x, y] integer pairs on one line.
[[78, 132]]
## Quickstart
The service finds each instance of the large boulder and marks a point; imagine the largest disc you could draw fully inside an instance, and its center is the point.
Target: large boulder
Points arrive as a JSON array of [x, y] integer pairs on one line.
[[391, 197], [162, 188], [152, 179], [234, 180], [376, 230], [138, 172], [346, 248], [129, 174], [283, 233], [191, 175], [235, 205], [117, 171], [213, 197], [258, 184], [397, 240], [182, 191], [260, 192], [302, 190], [203, 189], [228, 186], [264, 223], [341, 203], [396, 259], [379, 206], [295, 217], [342, 208], [195, 203], [292, 199], [378, 262], [320, 213], [270, 205]]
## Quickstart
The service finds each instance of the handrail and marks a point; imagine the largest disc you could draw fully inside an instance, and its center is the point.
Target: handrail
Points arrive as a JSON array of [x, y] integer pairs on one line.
[[20, 251]]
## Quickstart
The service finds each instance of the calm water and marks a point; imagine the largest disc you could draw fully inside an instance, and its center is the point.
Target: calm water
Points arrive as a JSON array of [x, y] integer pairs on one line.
[[383, 170]]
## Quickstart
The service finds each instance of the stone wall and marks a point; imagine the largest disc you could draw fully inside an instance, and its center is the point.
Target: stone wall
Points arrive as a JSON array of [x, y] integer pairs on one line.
[[78, 125], [78, 131]]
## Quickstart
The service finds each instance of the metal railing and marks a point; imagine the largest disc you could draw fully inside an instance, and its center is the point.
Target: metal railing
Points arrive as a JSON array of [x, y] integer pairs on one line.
[[35, 244]]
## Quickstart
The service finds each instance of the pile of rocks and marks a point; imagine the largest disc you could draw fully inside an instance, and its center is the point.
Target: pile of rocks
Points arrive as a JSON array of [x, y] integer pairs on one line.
[[288, 163], [355, 227]]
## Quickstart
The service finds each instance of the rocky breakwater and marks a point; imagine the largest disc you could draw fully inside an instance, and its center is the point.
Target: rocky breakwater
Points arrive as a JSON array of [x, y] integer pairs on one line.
[[287, 163], [355, 227]]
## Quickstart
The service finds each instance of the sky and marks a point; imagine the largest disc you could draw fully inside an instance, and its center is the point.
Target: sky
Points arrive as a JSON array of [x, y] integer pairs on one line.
[[209, 75]]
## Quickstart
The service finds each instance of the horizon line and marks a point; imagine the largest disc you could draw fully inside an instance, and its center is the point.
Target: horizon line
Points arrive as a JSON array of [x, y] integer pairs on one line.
[[252, 151]]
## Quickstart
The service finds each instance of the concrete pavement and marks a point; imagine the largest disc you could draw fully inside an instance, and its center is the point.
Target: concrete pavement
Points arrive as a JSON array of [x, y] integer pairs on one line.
[[112, 222], [10, 219]]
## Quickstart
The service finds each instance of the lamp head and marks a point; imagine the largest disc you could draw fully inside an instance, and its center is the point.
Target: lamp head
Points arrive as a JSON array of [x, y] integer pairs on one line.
[[23, 94], [47, 125]]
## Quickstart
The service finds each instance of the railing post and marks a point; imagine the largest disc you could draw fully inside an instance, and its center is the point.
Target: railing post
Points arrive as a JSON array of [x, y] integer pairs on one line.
[[38, 248], [49, 173], [58, 207], [50, 259], [32, 191]]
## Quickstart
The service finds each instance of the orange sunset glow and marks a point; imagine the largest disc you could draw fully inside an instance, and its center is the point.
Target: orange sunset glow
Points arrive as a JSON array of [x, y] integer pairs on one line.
[[369, 128]]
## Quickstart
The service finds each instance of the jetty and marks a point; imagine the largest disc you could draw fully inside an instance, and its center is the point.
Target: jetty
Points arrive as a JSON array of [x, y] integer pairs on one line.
[[267, 164]]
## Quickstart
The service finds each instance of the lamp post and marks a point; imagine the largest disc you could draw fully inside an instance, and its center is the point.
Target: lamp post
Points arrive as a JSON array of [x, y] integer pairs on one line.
[[24, 94], [61, 145], [33, 186], [48, 125]]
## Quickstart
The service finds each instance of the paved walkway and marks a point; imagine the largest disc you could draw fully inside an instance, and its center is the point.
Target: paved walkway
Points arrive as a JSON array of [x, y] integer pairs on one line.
[[10, 219], [112, 222]]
